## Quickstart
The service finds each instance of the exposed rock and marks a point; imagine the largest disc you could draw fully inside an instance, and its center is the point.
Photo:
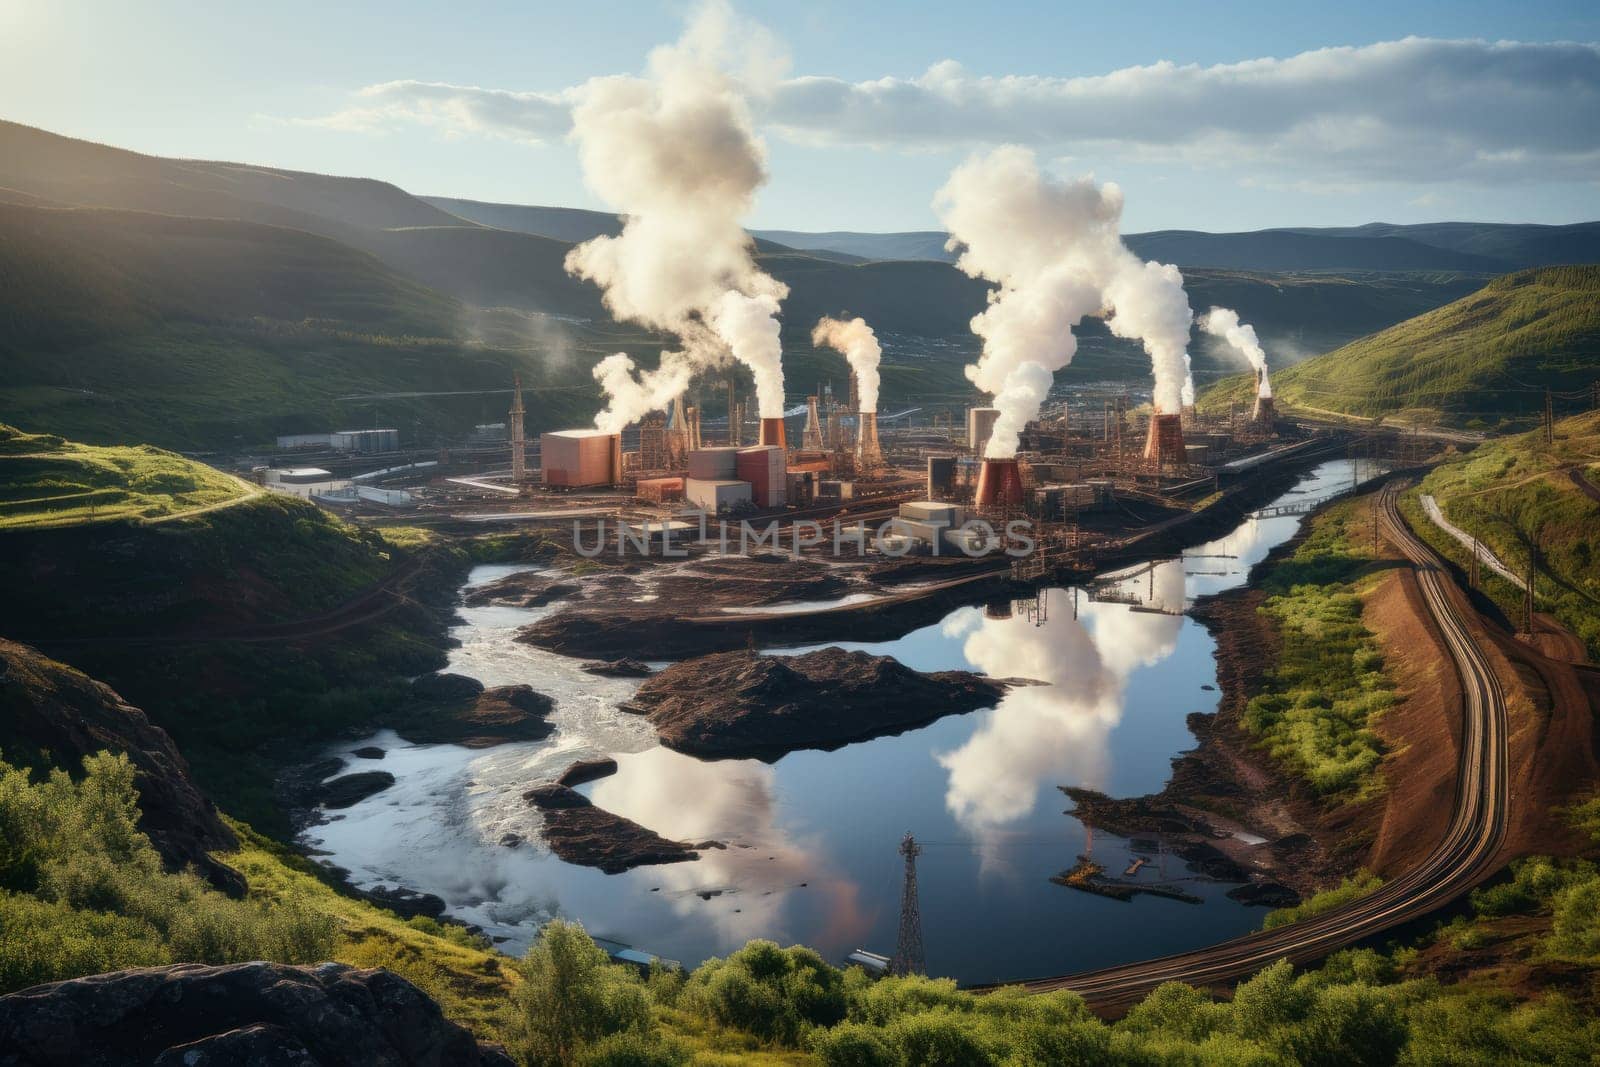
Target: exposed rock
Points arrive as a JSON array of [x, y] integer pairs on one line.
[[618, 668], [581, 833], [349, 789], [246, 1013], [53, 715], [510, 840], [742, 704], [445, 687], [368, 752], [493, 717], [587, 770], [525, 589], [1265, 894], [406, 903]]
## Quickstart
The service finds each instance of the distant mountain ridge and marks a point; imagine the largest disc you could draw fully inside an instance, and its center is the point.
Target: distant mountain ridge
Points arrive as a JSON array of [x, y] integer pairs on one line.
[[211, 301]]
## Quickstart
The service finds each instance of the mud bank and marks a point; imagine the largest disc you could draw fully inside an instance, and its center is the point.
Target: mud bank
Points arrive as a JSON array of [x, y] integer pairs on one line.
[[581, 833], [746, 705]]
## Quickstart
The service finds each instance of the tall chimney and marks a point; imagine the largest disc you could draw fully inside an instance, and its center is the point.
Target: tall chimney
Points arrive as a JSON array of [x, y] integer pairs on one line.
[[1264, 416], [999, 485], [811, 436], [1164, 444], [869, 455], [519, 441], [772, 432]]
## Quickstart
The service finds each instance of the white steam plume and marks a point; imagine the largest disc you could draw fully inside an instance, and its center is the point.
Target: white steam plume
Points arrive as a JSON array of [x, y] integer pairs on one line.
[[1224, 323], [675, 152], [1055, 250], [859, 345]]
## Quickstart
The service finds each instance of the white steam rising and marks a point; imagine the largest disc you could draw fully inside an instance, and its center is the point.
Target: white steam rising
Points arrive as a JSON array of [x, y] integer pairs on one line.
[[1224, 323], [859, 345], [676, 153], [1055, 249]]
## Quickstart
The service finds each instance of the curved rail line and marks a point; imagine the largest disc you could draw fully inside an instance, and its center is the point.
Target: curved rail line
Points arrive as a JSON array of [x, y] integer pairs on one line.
[[1461, 860]]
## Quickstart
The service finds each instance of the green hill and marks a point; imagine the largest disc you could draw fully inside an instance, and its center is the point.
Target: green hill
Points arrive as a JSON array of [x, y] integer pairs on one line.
[[1482, 360], [48, 481]]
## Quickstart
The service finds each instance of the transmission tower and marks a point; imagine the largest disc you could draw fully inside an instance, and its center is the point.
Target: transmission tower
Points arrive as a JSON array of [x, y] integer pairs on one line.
[[908, 949]]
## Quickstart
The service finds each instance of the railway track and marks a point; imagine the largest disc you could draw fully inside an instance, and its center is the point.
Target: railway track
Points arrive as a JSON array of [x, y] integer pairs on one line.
[[1460, 861]]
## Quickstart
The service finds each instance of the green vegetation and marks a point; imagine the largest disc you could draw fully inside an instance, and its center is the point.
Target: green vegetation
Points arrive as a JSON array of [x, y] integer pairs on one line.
[[1481, 361], [82, 891], [47, 481], [1315, 711], [1518, 493], [1352, 888]]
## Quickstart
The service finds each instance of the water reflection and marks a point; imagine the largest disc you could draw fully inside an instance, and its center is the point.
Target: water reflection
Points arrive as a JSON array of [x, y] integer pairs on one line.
[[1041, 735]]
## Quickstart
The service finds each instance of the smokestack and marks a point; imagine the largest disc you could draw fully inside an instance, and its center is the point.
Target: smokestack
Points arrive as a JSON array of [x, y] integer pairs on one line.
[[772, 432], [869, 456], [1000, 485], [811, 436], [1265, 415], [1164, 445]]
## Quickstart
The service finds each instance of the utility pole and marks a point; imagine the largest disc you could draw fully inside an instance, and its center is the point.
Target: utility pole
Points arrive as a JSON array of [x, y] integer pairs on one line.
[[1527, 592], [908, 948], [1549, 418]]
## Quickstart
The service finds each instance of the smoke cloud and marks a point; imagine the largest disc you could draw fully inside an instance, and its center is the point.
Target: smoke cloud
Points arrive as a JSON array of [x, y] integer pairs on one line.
[[1224, 323], [1055, 250], [676, 154], [859, 345]]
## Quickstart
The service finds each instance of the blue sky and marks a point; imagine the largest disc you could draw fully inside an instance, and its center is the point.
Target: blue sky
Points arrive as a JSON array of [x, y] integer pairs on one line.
[[277, 84]]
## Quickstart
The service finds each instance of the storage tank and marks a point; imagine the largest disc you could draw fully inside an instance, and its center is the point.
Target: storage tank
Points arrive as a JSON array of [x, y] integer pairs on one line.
[[575, 459]]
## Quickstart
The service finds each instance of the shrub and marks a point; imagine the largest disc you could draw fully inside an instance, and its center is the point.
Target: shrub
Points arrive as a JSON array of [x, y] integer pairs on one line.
[[572, 995], [775, 993], [855, 1045]]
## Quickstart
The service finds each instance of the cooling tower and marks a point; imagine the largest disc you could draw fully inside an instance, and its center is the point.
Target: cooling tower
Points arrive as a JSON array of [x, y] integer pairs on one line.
[[999, 485], [1264, 416], [1164, 445], [772, 432], [869, 456]]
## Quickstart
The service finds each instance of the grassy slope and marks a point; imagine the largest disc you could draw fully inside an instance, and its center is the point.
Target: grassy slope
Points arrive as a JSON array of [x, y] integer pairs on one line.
[[1512, 491], [1319, 702], [1481, 359], [47, 481]]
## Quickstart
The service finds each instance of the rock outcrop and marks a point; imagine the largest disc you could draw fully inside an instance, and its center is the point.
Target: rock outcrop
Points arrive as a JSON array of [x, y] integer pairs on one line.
[[744, 704], [461, 711], [587, 770], [581, 833], [350, 789], [192, 1015], [53, 715]]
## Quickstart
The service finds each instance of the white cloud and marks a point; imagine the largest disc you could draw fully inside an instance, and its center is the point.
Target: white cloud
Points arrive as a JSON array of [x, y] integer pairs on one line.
[[1407, 110]]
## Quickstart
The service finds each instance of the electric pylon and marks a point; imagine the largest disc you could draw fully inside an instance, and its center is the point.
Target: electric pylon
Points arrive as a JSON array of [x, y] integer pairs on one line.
[[908, 949]]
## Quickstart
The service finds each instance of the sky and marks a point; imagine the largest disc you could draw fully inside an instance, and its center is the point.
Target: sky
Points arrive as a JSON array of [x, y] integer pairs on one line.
[[1216, 116]]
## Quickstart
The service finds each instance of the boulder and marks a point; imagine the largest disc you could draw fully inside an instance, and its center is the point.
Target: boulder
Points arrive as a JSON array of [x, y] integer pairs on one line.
[[618, 668], [350, 789], [246, 1013], [744, 704], [587, 770]]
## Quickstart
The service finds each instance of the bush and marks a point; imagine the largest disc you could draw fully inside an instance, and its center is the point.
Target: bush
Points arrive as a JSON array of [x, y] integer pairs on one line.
[[572, 996], [775, 993], [855, 1045]]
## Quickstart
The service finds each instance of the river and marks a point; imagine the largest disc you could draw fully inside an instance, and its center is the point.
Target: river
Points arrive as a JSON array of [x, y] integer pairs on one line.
[[812, 837]]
